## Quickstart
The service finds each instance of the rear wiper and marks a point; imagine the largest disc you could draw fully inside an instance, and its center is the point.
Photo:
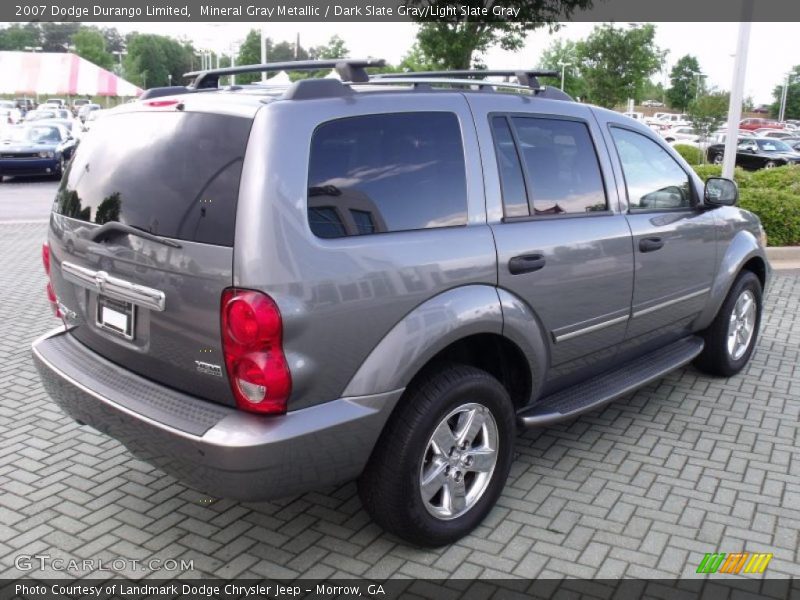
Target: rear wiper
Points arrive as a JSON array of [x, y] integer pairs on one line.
[[114, 227]]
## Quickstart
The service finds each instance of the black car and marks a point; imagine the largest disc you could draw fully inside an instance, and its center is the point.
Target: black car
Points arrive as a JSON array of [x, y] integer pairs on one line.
[[793, 143], [758, 153], [35, 149]]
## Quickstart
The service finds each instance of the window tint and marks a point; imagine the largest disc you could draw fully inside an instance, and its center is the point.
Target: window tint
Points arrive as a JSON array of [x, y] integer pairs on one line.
[[384, 173], [515, 200], [174, 174], [563, 175], [653, 178]]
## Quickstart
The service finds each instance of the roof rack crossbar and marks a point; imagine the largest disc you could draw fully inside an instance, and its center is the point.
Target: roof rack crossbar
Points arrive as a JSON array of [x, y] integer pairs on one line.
[[525, 77], [349, 69]]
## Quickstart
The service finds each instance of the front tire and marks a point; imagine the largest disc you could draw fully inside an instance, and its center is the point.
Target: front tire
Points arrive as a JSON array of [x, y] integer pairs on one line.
[[443, 459], [732, 336], [770, 164], [717, 159]]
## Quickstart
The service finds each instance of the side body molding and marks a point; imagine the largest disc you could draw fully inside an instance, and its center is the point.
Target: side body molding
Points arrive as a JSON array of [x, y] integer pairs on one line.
[[740, 249], [422, 333]]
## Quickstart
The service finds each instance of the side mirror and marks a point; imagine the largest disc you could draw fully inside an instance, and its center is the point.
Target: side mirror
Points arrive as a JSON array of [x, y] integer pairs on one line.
[[721, 192]]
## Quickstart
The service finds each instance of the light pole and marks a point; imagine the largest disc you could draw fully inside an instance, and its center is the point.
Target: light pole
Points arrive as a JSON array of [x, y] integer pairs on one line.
[[737, 90], [563, 66], [697, 77], [784, 96]]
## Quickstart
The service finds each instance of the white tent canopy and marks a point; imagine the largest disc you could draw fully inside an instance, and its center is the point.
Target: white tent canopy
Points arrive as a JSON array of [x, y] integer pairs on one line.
[[59, 73], [280, 78]]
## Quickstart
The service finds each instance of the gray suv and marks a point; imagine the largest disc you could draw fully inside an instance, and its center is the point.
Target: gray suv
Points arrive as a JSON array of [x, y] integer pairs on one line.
[[266, 289]]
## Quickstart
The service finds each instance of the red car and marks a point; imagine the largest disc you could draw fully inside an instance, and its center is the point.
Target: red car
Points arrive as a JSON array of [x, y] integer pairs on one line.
[[753, 124]]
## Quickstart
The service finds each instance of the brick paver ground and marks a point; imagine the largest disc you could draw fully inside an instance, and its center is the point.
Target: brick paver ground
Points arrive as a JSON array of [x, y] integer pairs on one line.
[[641, 488]]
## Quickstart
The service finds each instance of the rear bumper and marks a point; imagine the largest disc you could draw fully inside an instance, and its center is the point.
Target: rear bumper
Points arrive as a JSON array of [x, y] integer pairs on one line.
[[215, 449]]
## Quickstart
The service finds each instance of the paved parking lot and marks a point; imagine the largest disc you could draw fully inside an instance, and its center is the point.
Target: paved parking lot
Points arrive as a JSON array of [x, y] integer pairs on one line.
[[26, 198], [642, 488]]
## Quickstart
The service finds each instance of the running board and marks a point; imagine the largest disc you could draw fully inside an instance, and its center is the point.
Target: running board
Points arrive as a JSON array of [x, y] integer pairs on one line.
[[602, 389]]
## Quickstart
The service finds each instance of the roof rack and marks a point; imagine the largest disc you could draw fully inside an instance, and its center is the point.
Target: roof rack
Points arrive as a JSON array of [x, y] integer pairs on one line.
[[525, 77], [349, 69], [548, 92]]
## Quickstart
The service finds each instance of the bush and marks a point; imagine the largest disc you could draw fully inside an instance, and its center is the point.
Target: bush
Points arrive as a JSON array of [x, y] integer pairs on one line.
[[772, 194], [779, 213], [691, 154]]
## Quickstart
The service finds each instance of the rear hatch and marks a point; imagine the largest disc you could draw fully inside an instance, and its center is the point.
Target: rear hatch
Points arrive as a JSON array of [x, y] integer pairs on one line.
[[142, 243]]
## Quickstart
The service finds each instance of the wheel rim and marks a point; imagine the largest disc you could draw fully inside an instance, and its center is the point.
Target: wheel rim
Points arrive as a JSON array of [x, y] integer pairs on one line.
[[769, 165], [459, 461], [718, 159], [742, 325]]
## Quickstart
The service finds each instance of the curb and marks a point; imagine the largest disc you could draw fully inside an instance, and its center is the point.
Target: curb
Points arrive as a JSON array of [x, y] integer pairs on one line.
[[778, 253]]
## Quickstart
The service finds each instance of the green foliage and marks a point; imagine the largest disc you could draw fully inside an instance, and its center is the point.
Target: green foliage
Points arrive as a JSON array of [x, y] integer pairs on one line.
[[90, 44], [335, 48], [152, 58], [773, 195], [691, 154], [616, 62], [19, 37], [683, 82], [565, 52], [708, 113], [250, 54], [792, 98], [779, 212], [456, 41]]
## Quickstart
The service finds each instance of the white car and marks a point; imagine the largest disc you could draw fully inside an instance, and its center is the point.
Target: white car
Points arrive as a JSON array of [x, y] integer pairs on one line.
[[635, 115], [774, 133], [680, 134]]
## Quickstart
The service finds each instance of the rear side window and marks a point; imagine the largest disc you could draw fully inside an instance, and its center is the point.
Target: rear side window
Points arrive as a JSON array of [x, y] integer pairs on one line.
[[560, 170], [387, 172], [174, 174]]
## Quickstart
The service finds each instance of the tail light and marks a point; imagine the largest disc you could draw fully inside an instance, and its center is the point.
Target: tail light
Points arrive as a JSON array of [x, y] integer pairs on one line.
[[252, 341], [51, 295]]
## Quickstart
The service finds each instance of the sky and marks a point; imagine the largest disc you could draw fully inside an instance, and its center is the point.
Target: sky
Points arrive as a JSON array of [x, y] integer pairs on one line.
[[773, 46]]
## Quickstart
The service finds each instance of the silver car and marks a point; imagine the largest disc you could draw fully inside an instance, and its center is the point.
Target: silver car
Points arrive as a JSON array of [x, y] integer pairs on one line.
[[268, 290]]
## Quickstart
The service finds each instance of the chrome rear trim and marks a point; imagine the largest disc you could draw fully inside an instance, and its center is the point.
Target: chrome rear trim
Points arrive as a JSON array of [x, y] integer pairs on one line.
[[114, 287]]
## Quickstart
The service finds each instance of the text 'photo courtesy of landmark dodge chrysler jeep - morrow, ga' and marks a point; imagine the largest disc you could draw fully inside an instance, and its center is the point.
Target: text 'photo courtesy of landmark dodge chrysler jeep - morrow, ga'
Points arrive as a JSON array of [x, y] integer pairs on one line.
[[269, 289]]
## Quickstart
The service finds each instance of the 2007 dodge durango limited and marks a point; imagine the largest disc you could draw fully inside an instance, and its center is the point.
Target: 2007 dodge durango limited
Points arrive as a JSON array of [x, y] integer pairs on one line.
[[268, 289]]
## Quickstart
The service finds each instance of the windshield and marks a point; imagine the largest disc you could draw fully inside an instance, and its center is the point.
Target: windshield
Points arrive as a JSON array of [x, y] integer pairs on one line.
[[40, 134], [773, 146], [40, 114]]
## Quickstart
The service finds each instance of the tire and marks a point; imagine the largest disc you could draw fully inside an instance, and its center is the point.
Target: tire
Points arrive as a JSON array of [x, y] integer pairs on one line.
[[391, 485], [719, 357], [717, 159], [770, 164]]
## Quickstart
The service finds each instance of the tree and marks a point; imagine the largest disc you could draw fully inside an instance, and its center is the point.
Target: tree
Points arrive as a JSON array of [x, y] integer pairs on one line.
[[451, 41], [335, 48], [250, 54], [153, 58], [684, 80], [616, 62], [90, 44], [56, 37], [565, 52], [792, 96], [19, 37], [708, 113]]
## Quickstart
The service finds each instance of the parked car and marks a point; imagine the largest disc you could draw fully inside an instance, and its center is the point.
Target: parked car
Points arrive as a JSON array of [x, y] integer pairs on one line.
[[43, 113], [793, 143], [757, 153], [35, 149], [674, 119], [9, 113], [78, 103], [92, 117], [755, 123], [24, 105], [55, 103], [653, 103], [634, 115], [84, 111], [345, 283], [680, 134], [778, 134]]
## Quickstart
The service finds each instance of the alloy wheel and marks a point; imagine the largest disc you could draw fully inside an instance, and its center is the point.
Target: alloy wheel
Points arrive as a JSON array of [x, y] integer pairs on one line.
[[741, 325]]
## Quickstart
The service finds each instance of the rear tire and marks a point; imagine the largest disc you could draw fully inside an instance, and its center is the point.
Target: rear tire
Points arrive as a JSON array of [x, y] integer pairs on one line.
[[443, 458], [732, 336], [770, 164], [717, 159]]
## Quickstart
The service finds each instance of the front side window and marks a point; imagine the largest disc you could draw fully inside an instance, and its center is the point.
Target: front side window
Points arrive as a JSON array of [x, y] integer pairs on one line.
[[653, 178], [386, 172]]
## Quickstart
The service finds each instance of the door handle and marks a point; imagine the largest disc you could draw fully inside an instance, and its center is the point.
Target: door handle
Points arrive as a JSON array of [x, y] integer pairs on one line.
[[525, 263], [650, 244]]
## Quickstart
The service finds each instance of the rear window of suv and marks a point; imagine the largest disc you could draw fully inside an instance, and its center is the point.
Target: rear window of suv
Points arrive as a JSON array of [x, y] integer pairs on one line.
[[386, 172], [173, 174]]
